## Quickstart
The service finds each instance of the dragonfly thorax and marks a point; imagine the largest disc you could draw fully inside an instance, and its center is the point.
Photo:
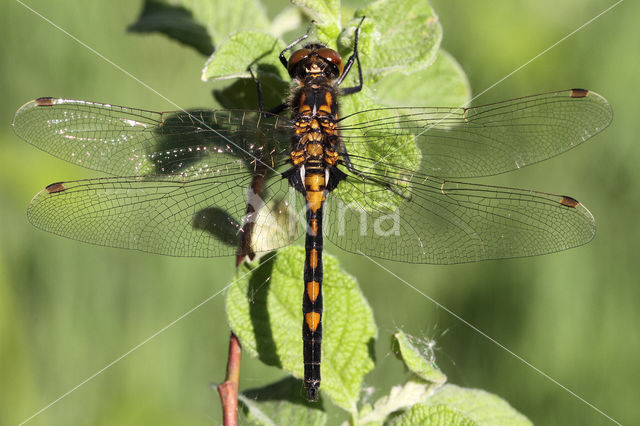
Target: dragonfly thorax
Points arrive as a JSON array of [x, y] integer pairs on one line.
[[315, 112]]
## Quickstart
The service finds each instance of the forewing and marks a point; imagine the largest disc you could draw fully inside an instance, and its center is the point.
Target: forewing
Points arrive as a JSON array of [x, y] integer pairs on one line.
[[178, 215], [443, 222], [125, 141], [477, 141]]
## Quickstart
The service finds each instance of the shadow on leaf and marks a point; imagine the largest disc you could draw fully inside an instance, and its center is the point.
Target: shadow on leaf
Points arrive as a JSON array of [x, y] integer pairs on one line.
[[219, 224], [243, 93], [175, 22], [288, 389], [258, 293]]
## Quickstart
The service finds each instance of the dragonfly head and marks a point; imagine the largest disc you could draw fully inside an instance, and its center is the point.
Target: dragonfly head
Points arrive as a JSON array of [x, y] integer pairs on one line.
[[315, 59]]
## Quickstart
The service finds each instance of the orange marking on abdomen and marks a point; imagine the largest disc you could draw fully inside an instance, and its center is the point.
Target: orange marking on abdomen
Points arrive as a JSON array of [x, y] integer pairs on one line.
[[314, 182], [313, 320], [313, 289], [313, 258], [314, 200], [313, 224]]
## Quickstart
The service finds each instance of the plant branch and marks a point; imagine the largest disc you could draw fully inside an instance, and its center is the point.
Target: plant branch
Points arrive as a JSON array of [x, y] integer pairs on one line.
[[229, 389]]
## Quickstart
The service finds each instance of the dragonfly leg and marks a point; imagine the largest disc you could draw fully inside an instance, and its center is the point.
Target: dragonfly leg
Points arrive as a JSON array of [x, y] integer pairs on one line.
[[354, 57], [276, 110], [346, 160], [283, 60]]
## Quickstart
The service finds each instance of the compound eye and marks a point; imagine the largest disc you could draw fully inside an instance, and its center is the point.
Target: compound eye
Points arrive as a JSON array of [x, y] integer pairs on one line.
[[331, 56], [296, 57]]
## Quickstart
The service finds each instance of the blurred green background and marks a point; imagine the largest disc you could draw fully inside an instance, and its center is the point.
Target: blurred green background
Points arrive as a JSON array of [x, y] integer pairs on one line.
[[68, 309]]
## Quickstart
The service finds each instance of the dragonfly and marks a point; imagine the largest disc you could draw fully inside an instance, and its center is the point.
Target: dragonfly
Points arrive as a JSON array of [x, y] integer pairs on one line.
[[381, 182]]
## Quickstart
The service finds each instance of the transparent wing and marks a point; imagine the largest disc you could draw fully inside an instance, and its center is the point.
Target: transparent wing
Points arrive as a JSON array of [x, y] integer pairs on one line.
[[478, 141], [421, 219], [179, 215], [126, 141]]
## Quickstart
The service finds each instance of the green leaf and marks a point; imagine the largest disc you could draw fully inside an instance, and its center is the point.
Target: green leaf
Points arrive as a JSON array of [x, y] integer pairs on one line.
[[264, 310], [396, 36], [480, 406], [401, 397], [235, 55], [243, 93], [420, 362], [289, 19], [201, 23], [428, 401], [175, 22], [443, 83], [281, 403], [220, 224], [399, 149], [223, 17], [439, 415], [326, 13], [390, 43]]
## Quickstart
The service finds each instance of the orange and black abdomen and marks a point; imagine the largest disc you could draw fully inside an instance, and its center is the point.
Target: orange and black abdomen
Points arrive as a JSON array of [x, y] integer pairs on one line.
[[314, 174], [312, 298]]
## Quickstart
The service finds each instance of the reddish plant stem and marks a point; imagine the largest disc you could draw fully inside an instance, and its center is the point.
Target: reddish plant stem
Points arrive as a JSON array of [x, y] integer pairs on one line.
[[228, 390]]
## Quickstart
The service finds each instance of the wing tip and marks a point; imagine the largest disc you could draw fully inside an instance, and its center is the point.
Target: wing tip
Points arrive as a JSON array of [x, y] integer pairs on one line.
[[569, 201], [55, 188], [579, 93], [588, 219], [44, 101]]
